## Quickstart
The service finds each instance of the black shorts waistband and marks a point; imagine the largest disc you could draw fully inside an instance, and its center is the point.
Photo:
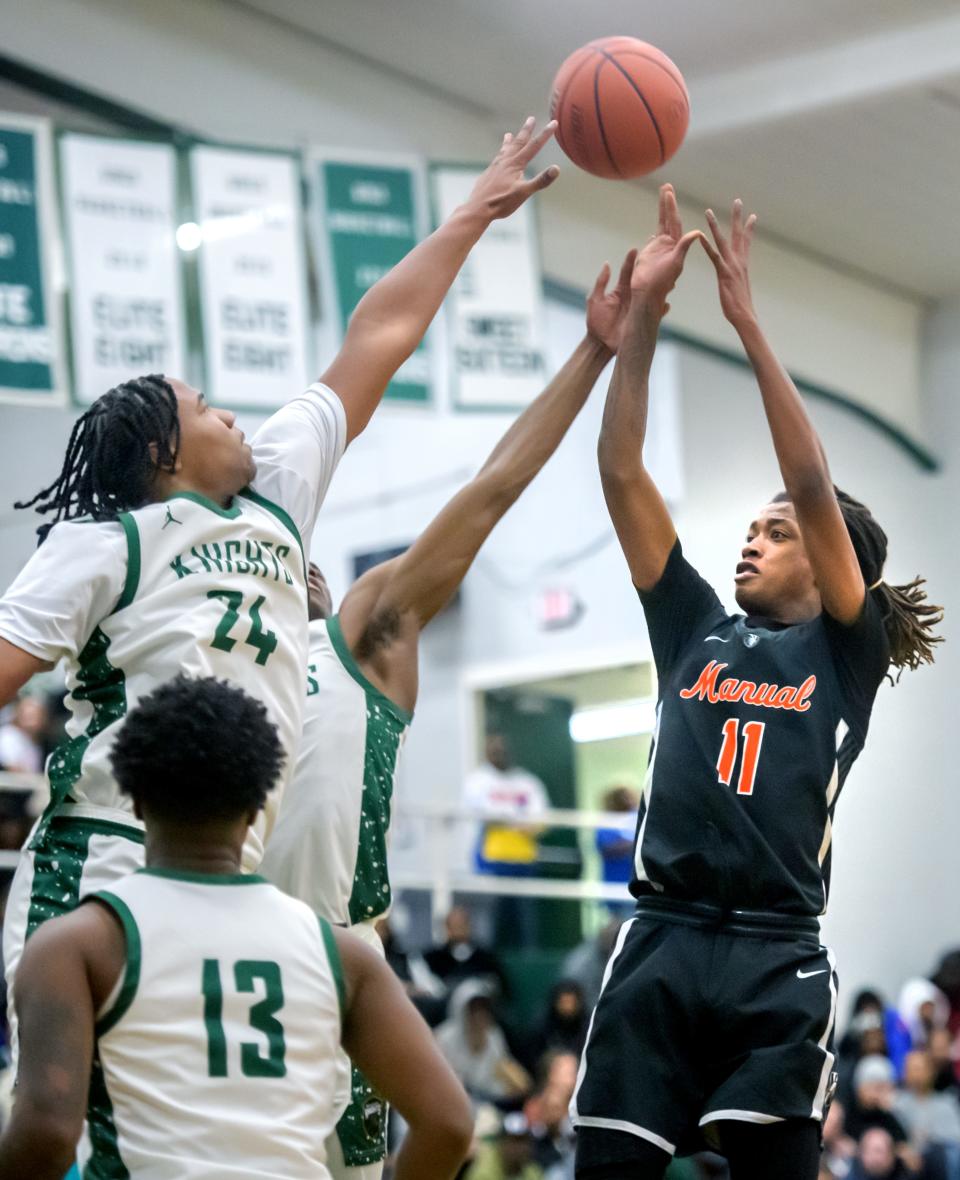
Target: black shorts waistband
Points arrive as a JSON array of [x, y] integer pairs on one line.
[[751, 923]]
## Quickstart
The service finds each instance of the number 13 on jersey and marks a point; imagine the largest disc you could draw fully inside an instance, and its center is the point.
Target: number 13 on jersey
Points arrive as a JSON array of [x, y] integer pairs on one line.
[[752, 741]]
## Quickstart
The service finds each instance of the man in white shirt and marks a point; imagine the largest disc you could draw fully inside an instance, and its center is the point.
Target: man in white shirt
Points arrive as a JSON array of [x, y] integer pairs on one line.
[[516, 794]]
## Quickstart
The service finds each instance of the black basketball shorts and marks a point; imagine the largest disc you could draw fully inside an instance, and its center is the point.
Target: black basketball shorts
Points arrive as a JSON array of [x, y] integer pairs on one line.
[[705, 1017]]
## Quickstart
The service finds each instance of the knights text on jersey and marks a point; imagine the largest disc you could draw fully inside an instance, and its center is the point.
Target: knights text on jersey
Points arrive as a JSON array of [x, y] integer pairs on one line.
[[757, 727]]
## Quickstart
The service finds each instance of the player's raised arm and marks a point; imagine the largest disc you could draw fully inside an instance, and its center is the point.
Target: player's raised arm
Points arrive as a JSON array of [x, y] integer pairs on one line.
[[391, 319], [56, 1008], [406, 593], [637, 509], [803, 463], [405, 1066]]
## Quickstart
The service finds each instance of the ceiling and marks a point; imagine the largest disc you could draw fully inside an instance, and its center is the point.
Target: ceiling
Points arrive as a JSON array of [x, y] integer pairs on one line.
[[837, 120]]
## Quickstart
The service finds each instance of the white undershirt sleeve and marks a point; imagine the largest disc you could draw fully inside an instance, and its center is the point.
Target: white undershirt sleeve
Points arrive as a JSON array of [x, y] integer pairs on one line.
[[71, 583], [297, 451]]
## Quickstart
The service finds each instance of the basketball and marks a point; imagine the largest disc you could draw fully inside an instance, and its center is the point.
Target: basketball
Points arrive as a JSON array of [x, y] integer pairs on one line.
[[621, 106]]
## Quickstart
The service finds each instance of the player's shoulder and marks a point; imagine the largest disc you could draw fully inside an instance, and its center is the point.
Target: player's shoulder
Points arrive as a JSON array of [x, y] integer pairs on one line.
[[84, 544], [84, 531]]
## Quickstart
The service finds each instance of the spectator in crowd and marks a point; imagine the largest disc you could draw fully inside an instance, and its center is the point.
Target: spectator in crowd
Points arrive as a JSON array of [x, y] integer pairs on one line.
[[21, 737], [874, 1092], [516, 795], [507, 846], [424, 991], [944, 1061], [547, 1113], [873, 1028], [947, 979], [838, 1147], [941, 1161], [564, 1027], [474, 1045], [587, 962], [615, 846], [923, 1007], [877, 1158], [460, 958], [509, 1156], [926, 1116]]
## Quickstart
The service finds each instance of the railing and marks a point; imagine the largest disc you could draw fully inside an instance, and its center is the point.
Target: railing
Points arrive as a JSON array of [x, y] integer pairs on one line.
[[441, 876]]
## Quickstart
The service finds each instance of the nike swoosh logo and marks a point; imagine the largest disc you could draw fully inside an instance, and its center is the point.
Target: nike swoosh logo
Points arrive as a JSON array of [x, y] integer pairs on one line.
[[717, 638], [807, 974]]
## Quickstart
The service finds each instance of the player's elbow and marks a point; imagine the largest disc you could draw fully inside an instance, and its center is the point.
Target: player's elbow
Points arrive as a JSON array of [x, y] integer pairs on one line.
[[618, 466], [53, 1144], [618, 479], [451, 1129]]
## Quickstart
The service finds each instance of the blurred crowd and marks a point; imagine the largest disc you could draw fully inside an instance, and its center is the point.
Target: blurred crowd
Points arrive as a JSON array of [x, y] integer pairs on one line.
[[896, 1112], [895, 1116]]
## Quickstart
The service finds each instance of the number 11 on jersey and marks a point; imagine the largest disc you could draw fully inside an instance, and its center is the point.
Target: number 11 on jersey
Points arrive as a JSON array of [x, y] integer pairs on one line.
[[752, 741]]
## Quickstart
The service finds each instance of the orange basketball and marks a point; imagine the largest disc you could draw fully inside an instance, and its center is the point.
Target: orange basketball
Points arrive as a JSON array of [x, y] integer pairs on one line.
[[621, 106]]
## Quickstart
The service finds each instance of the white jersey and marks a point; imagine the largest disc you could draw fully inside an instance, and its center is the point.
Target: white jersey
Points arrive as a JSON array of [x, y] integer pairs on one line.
[[329, 845], [181, 586], [218, 1053]]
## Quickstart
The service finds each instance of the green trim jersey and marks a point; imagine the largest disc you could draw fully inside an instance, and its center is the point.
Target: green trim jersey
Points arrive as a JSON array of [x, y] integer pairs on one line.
[[329, 845], [181, 586], [218, 1052]]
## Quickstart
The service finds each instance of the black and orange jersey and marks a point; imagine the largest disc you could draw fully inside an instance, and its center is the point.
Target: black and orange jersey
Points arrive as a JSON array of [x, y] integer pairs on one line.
[[758, 724]]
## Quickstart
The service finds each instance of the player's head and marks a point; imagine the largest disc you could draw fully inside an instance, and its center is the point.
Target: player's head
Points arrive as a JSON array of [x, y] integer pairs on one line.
[[319, 599], [774, 577], [197, 752], [141, 441]]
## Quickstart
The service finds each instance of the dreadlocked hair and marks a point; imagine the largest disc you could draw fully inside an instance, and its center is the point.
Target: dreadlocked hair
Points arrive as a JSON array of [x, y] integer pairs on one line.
[[907, 616], [109, 465]]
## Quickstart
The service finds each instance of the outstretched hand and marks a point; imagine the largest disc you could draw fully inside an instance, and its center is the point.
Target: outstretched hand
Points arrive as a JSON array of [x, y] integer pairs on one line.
[[731, 260], [607, 310], [659, 264], [503, 188]]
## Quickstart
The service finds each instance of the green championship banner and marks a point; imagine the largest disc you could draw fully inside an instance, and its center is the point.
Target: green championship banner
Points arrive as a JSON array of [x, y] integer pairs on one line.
[[126, 301], [30, 361], [372, 213], [253, 282], [494, 312]]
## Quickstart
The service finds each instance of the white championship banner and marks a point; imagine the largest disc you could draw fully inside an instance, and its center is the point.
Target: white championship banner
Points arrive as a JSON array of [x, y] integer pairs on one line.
[[126, 304], [494, 312], [249, 230], [31, 359]]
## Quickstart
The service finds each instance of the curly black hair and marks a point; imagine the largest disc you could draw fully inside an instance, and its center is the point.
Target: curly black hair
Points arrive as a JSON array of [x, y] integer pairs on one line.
[[109, 465], [198, 749]]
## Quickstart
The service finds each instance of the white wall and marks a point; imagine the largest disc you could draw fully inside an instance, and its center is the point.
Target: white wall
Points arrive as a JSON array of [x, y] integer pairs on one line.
[[224, 71]]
